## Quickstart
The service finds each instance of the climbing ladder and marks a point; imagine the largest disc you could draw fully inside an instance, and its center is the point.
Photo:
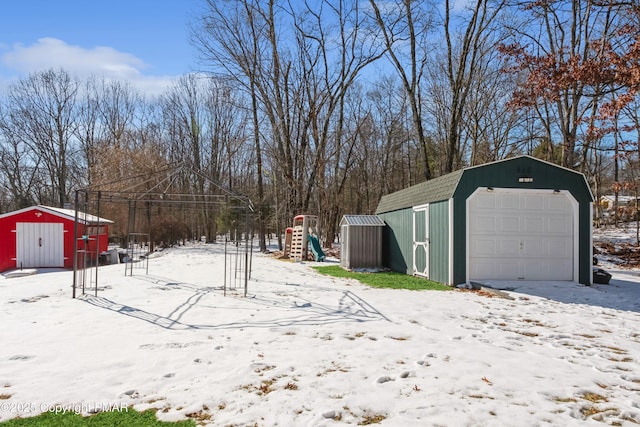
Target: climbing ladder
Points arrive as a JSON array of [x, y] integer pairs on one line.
[[303, 232], [298, 243], [287, 242]]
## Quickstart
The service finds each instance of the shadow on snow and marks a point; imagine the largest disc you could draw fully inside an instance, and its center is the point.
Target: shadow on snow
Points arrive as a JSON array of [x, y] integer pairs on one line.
[[256, 310]]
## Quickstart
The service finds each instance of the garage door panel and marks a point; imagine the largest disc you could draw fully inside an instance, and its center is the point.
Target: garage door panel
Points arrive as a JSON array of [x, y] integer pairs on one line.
[[559, 248], [483, 269], [508, 201], [509, 224], [560, 225], [534, 202], [531, 248], [564, 266], [534, 270], [484, 248], [509, 247], [485, 201], [521, 234], [505, 268], [532, 225], [557, 203], [485, 224]]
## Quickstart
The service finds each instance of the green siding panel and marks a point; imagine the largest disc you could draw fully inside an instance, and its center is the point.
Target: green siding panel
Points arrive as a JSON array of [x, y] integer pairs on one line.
[[397, 241], [439, 242]]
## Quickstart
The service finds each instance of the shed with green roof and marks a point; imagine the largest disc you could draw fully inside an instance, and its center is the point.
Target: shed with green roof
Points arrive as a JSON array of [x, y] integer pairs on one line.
[[515, 219]]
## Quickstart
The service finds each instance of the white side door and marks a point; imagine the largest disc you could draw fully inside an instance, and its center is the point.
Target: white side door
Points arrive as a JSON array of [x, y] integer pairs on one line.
[[421, 240]]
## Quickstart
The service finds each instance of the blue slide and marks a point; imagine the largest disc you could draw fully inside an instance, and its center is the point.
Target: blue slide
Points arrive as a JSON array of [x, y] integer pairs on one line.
[[316, 248]]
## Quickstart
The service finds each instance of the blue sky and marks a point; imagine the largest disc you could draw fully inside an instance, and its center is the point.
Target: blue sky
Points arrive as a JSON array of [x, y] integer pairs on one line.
[[143, 41]]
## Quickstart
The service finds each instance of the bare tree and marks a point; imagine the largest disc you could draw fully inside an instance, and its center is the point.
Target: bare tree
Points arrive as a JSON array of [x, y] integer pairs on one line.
[[239, 41], [18, 166], [88, 130], [392, 146], [331, 58], [42, 111], [464, 54], [402, 23]]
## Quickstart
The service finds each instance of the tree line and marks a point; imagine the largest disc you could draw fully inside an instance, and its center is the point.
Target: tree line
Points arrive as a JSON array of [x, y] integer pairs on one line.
[[323, 106]]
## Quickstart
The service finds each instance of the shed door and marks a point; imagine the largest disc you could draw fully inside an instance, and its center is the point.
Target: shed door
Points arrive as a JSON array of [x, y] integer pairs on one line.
[[39, 244], [421, 240], [345, 261], [516, 234]]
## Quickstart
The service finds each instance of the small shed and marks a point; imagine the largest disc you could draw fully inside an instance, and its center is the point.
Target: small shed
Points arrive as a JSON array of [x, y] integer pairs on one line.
[[516, 219], [42, 236], [361, 242]]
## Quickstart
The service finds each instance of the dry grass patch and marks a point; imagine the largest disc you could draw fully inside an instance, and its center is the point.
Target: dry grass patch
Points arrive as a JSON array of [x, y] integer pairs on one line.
[[624, 359], [616, 350], [527, 334], [372, 419], [537, 323], [588, 336], [564, 399], [481, 396], [291, 386], [593, 397], [264, 369], [265, 386], [398, 338], [201, 417], [590, 411]]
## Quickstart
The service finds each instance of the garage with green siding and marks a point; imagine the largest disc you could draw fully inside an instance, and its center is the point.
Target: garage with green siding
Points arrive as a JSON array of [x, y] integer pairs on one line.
[[516, 219]]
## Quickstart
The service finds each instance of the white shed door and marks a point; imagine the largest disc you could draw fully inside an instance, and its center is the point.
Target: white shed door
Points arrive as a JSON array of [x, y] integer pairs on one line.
[[516, 234], [421, 240], [39, 244]]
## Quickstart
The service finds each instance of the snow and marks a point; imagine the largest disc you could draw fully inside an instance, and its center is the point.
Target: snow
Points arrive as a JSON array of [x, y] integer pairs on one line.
[[307, 349]]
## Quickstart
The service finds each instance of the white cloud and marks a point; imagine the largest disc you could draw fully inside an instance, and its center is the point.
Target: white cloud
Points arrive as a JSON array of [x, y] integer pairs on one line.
[[101, 61]]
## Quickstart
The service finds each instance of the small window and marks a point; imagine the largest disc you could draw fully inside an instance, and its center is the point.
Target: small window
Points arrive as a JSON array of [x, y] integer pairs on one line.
[[93, 230]]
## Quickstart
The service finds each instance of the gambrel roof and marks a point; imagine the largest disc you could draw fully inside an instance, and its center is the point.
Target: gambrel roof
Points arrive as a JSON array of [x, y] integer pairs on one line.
[[509, 170], [434, 190]]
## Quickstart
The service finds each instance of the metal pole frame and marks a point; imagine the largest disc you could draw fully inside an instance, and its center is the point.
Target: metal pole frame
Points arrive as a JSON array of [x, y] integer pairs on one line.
[[75, 246], [97, 260]]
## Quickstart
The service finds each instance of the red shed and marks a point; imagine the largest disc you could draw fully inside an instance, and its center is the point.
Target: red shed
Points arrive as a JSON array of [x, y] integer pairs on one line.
[[42, 236]]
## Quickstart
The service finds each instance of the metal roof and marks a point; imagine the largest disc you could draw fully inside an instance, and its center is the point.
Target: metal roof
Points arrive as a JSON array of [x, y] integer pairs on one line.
[[83, 218], [362, 220]]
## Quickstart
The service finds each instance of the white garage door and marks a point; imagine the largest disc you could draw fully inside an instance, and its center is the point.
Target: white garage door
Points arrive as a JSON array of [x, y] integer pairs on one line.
[[517, 234], [39, 244]]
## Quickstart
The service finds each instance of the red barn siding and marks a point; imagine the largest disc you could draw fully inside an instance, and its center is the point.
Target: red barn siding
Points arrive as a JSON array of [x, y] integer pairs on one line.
[[8, 247]]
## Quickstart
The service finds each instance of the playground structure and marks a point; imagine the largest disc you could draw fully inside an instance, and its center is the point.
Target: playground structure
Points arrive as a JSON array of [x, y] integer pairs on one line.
[[302, 236]]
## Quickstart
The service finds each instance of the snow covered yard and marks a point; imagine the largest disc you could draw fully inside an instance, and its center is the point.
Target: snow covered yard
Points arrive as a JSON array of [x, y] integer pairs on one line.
[[305, 349]]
